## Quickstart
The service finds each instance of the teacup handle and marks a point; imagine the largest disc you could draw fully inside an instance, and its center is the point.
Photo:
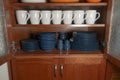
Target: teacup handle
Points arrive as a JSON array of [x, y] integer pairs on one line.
[[28, 16], [97, 16], [73, 18], [62, 17], [40, 16], [52, 17], [85, 16]]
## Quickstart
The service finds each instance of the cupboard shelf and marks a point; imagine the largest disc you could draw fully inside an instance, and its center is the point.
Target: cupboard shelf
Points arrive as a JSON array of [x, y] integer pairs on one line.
[[63, 28], [59, 4], [55, 53], [63, 25]]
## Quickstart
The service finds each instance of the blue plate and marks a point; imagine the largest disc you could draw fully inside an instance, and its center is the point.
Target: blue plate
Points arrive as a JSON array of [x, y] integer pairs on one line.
[[30, 45], [85, 35], [47, 34]]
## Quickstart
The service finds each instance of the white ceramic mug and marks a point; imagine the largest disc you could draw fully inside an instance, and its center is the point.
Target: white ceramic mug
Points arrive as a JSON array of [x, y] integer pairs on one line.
[[35, 16], [92, 16], [46, 17], [67, 16], [57, 16], [79, 16], [22, 16]]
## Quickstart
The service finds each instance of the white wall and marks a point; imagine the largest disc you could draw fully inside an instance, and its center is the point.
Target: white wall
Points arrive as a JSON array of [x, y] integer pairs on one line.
[[4, 72]]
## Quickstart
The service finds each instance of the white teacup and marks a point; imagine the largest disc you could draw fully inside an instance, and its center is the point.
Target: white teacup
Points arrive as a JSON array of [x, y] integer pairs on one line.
[[22, 16], [79, 16], [46, 17], [67, 16], [92, 16], [57, 16], [35, 16]]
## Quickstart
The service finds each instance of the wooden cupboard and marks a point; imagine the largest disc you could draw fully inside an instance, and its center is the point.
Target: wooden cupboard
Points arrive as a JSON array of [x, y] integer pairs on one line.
[[66, 67], [76, 65]]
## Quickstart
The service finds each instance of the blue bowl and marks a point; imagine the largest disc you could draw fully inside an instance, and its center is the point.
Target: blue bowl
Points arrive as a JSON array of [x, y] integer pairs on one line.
[[30, 45], [47, 48], [46, 42], [47, 34]]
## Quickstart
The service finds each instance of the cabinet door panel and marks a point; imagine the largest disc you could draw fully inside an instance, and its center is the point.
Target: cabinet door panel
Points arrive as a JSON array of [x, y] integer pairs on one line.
[[81, 72], [40, 69], [3, 41], [114, 40], [84, 69], [112, 72]]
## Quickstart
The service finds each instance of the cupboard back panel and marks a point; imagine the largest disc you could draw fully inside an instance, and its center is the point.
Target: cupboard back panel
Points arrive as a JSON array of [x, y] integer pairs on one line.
[[19, 33], [101, 10]]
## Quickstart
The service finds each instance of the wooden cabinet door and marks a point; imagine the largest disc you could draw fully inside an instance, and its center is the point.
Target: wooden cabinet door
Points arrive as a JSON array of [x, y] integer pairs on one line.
[[34, 69], [5, 54], [113, 27], [112, 72], [83, 68]]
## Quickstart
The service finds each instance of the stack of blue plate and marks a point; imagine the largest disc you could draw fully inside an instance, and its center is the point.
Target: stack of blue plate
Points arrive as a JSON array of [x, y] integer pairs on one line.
[[30, 45], [47, 41], [85, 41]]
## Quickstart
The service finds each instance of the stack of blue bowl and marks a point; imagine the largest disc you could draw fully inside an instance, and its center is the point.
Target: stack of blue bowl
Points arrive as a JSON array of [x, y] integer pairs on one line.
[[47, 41], [85, 41], [30, 45]]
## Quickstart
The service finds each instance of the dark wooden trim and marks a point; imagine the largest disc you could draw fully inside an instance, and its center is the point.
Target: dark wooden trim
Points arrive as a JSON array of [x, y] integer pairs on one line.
[[5, 58], [109, 22], [59, 4], [55, 54], [103, 69], [10, 70], [113, 60], [112, 71], [63, 25], [60, 28]]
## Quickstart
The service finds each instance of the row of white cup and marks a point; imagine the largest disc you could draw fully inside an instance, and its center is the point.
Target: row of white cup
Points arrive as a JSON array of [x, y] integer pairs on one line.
[[57, 16]]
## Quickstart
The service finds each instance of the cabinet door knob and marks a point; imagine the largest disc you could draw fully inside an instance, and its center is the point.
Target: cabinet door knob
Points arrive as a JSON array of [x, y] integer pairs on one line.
[[61, 70], [55, 70]]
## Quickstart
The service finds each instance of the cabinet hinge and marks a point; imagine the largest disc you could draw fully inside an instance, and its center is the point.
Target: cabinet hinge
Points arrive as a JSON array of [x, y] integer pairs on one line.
[[13, 46]]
